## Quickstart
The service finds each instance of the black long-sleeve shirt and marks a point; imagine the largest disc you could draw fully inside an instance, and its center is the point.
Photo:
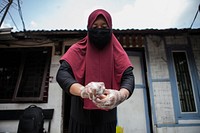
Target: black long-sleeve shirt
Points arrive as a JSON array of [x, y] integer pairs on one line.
[[65, 78]]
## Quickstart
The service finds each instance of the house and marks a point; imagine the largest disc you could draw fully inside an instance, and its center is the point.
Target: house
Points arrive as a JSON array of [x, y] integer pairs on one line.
[[166, 68]]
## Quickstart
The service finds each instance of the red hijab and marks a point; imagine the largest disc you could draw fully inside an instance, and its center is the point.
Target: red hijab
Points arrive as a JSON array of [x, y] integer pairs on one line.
[[93, 65]]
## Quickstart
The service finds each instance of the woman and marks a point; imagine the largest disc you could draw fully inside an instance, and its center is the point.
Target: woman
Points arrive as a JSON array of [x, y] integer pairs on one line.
[[97, 73]]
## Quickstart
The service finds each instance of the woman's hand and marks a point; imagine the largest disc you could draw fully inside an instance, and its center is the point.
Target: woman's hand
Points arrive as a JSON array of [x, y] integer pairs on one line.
[[110, 99], [92, 89]]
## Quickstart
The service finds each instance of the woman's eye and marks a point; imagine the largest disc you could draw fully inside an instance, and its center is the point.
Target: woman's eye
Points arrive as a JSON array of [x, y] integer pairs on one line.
[[100, 26], [105, 26], [94, 26]]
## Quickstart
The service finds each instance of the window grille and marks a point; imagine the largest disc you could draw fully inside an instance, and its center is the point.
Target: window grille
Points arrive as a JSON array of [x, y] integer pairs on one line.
[[24, 74], [184, 84]]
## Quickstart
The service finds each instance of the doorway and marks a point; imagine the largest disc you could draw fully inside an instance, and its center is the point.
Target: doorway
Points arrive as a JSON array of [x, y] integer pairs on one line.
[[134, 115]]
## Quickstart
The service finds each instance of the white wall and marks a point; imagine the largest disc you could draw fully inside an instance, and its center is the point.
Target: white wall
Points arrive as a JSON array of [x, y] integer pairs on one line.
[[163, 107], [54, 102]]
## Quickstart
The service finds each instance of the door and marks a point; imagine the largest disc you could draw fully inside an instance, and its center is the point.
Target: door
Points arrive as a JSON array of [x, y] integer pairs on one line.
[[133, 114]]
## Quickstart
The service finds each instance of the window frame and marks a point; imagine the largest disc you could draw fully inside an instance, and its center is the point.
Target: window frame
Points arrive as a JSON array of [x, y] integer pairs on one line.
[[43, 96], [194, 81]]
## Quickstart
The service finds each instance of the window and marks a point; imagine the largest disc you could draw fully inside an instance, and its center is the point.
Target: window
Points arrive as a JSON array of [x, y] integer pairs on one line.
[[24, 74], [184, 83]]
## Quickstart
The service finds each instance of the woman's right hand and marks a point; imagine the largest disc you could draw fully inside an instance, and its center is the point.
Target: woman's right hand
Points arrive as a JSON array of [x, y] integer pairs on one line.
[[92, 89]]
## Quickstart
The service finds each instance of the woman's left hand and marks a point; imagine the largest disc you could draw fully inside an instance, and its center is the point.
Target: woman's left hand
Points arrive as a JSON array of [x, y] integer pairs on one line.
[[110, 99]]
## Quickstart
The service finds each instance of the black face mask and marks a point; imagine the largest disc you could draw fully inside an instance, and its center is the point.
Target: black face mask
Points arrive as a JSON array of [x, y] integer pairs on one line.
[[99, 37]]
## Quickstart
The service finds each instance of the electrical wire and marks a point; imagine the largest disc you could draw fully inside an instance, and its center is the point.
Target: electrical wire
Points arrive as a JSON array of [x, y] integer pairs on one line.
[[16, 5], [13, 21], [195, 17], [194, 20], [20, 14], [4, 8]]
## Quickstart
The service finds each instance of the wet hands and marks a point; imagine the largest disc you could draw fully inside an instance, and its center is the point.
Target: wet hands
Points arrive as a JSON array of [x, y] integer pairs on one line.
[[110, 99], [101, 97], [92, 89]]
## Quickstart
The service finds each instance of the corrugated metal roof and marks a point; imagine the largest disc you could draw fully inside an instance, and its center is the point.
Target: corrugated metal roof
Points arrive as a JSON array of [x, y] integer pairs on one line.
[[64, 33], [123, 31]]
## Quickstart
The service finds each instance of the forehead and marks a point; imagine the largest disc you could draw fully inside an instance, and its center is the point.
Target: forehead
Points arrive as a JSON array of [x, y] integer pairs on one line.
[[100, 18]]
